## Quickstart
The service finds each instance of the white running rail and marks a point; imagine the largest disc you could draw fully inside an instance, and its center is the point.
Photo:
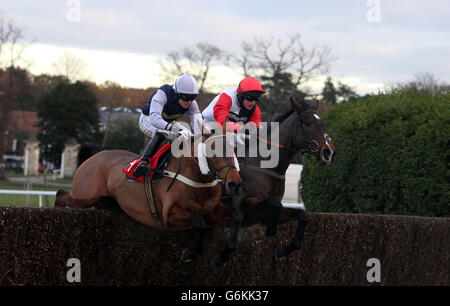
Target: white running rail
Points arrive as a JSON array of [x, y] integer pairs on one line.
[[40, 193]]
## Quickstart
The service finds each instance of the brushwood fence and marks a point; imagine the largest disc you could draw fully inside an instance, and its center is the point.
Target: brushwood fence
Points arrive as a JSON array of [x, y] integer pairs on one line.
[[112, 249]]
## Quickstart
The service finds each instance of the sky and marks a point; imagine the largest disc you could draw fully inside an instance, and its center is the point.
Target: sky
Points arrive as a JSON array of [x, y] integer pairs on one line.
[[374, 43]]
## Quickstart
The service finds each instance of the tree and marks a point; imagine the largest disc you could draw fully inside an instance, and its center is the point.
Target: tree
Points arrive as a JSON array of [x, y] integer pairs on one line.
[[10, 52], [329, 92], [112, 95], [194, 61], [346, 93], [23, 94], [426, 82], [284, 65], [279, 87], [124, 134], [68, 111], [72, 67]]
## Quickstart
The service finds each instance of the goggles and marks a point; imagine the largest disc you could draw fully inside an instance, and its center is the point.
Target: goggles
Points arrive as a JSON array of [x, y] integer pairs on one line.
[[188, 97], [250, 97]]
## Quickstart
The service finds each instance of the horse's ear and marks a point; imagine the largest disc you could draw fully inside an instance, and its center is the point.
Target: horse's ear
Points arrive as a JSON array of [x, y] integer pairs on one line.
[[296, 106], [315, 105]]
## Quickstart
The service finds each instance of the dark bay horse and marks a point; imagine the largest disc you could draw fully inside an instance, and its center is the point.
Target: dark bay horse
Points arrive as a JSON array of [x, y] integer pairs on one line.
[[300, 130], [185, 206]]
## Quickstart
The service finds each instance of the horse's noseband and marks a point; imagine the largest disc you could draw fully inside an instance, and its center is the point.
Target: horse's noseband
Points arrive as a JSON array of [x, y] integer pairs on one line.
[[311, 142]]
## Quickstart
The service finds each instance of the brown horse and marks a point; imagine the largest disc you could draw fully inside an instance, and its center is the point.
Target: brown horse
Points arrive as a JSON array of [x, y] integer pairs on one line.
[[187, 205]]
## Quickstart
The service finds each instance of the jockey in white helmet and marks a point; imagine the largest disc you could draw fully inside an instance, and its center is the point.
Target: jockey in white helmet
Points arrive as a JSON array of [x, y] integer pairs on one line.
[[167, 104]]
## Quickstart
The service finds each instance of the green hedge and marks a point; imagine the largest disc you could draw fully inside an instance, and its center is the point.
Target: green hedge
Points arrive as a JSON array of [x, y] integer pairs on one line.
[[393, 157]]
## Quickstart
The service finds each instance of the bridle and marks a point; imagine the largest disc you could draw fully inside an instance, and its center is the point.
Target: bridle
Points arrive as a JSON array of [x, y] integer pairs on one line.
[[311, 142]]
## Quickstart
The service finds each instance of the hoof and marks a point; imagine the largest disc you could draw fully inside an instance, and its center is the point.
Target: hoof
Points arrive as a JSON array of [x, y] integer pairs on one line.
[[281, 252], [218, 262], [188, 255]]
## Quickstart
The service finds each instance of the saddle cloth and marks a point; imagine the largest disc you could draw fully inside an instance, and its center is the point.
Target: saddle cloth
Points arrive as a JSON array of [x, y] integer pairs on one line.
[[154, 163]]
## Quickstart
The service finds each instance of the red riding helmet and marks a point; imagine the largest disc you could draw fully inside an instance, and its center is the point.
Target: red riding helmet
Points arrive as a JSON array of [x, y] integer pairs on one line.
[[250, 84]]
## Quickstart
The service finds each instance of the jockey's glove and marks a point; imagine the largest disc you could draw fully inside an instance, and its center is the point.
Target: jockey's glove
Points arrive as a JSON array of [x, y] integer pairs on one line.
[[181, 130], [186, 134]]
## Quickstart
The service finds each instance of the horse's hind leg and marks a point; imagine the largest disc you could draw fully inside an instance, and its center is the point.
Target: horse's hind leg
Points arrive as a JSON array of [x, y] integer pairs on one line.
[[196, 248], [64, 198]]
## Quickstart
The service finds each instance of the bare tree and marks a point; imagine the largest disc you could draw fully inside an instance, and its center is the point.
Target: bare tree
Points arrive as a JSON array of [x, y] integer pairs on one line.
[[194, 61], [270, 57], [112, 95], [11, 50], [71, 67]]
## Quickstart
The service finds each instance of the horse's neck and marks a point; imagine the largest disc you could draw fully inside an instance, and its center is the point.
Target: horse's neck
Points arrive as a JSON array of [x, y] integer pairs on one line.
[[285, 140], [190, 168]]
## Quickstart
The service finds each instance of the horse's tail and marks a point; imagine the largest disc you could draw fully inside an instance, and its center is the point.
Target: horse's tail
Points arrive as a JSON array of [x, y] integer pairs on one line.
[[87, 150]]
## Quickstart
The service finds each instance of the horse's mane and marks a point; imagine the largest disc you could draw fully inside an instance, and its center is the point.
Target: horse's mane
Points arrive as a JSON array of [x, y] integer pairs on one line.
[[282, 117]]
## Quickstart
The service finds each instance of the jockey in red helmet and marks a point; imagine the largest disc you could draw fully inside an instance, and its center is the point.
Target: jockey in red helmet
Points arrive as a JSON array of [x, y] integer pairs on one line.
[[238, 103]]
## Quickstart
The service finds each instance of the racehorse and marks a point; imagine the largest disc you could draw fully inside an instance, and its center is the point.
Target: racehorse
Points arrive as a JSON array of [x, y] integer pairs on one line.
[[300, 130], [191, 199]]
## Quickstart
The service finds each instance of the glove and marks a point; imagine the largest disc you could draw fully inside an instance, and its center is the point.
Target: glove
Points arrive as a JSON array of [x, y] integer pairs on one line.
[[176, 126], [181, 130], [186, 134]]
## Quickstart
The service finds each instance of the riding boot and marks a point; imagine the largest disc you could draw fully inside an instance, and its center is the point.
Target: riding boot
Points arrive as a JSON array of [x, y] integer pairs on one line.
[[151, 148]]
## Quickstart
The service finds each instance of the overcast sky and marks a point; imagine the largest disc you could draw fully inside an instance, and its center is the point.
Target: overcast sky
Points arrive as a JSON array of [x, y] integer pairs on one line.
[[122, 40]]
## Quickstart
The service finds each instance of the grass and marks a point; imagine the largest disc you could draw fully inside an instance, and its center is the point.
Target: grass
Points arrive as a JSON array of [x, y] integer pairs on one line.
[[24, 200]]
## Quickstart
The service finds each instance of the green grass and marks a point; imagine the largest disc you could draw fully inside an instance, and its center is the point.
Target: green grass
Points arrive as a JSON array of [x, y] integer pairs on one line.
[[23, 200]]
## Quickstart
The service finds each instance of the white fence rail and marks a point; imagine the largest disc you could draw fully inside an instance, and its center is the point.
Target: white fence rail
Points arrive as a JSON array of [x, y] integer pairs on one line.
[[39, 193]]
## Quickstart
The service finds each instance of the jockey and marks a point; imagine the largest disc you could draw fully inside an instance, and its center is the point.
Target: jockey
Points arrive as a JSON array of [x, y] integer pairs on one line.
[[166, 105], [238, 103]]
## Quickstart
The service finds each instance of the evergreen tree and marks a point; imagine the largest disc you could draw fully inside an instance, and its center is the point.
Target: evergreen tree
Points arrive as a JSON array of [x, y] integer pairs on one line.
[[67, 111], [124, 134], [346, 93], [278, 87], [329, 92]]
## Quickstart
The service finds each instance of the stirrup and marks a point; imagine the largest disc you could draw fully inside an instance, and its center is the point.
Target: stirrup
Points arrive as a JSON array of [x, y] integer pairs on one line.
[[141, 168]]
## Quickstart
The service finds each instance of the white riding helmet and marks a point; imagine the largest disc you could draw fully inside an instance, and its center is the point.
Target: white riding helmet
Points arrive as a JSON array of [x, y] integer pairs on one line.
[[186, 84]]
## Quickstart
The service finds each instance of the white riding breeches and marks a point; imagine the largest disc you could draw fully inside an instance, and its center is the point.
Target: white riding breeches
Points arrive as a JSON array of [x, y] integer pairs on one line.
[[146, 127]]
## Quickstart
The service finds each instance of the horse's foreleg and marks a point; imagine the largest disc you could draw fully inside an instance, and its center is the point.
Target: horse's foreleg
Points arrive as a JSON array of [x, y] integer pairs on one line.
[[236, 219], [275, 206], [190, 253], [284, 250]]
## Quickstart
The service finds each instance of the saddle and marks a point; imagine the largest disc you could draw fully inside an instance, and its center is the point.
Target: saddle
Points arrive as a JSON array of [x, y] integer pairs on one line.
[[157, 164]]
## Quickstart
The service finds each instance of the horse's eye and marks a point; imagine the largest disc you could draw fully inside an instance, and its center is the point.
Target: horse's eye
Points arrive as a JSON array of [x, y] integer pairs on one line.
[[307, 123]]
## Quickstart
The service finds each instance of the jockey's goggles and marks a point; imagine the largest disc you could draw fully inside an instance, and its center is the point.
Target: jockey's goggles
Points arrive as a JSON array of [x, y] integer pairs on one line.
[[251, 97], [188, 97]]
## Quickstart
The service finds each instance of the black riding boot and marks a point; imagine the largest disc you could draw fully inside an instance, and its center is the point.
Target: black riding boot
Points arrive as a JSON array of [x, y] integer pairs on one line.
[[151, 148]]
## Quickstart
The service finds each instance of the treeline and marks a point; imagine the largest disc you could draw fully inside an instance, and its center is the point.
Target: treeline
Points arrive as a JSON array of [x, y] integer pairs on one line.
[[28, 89]]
